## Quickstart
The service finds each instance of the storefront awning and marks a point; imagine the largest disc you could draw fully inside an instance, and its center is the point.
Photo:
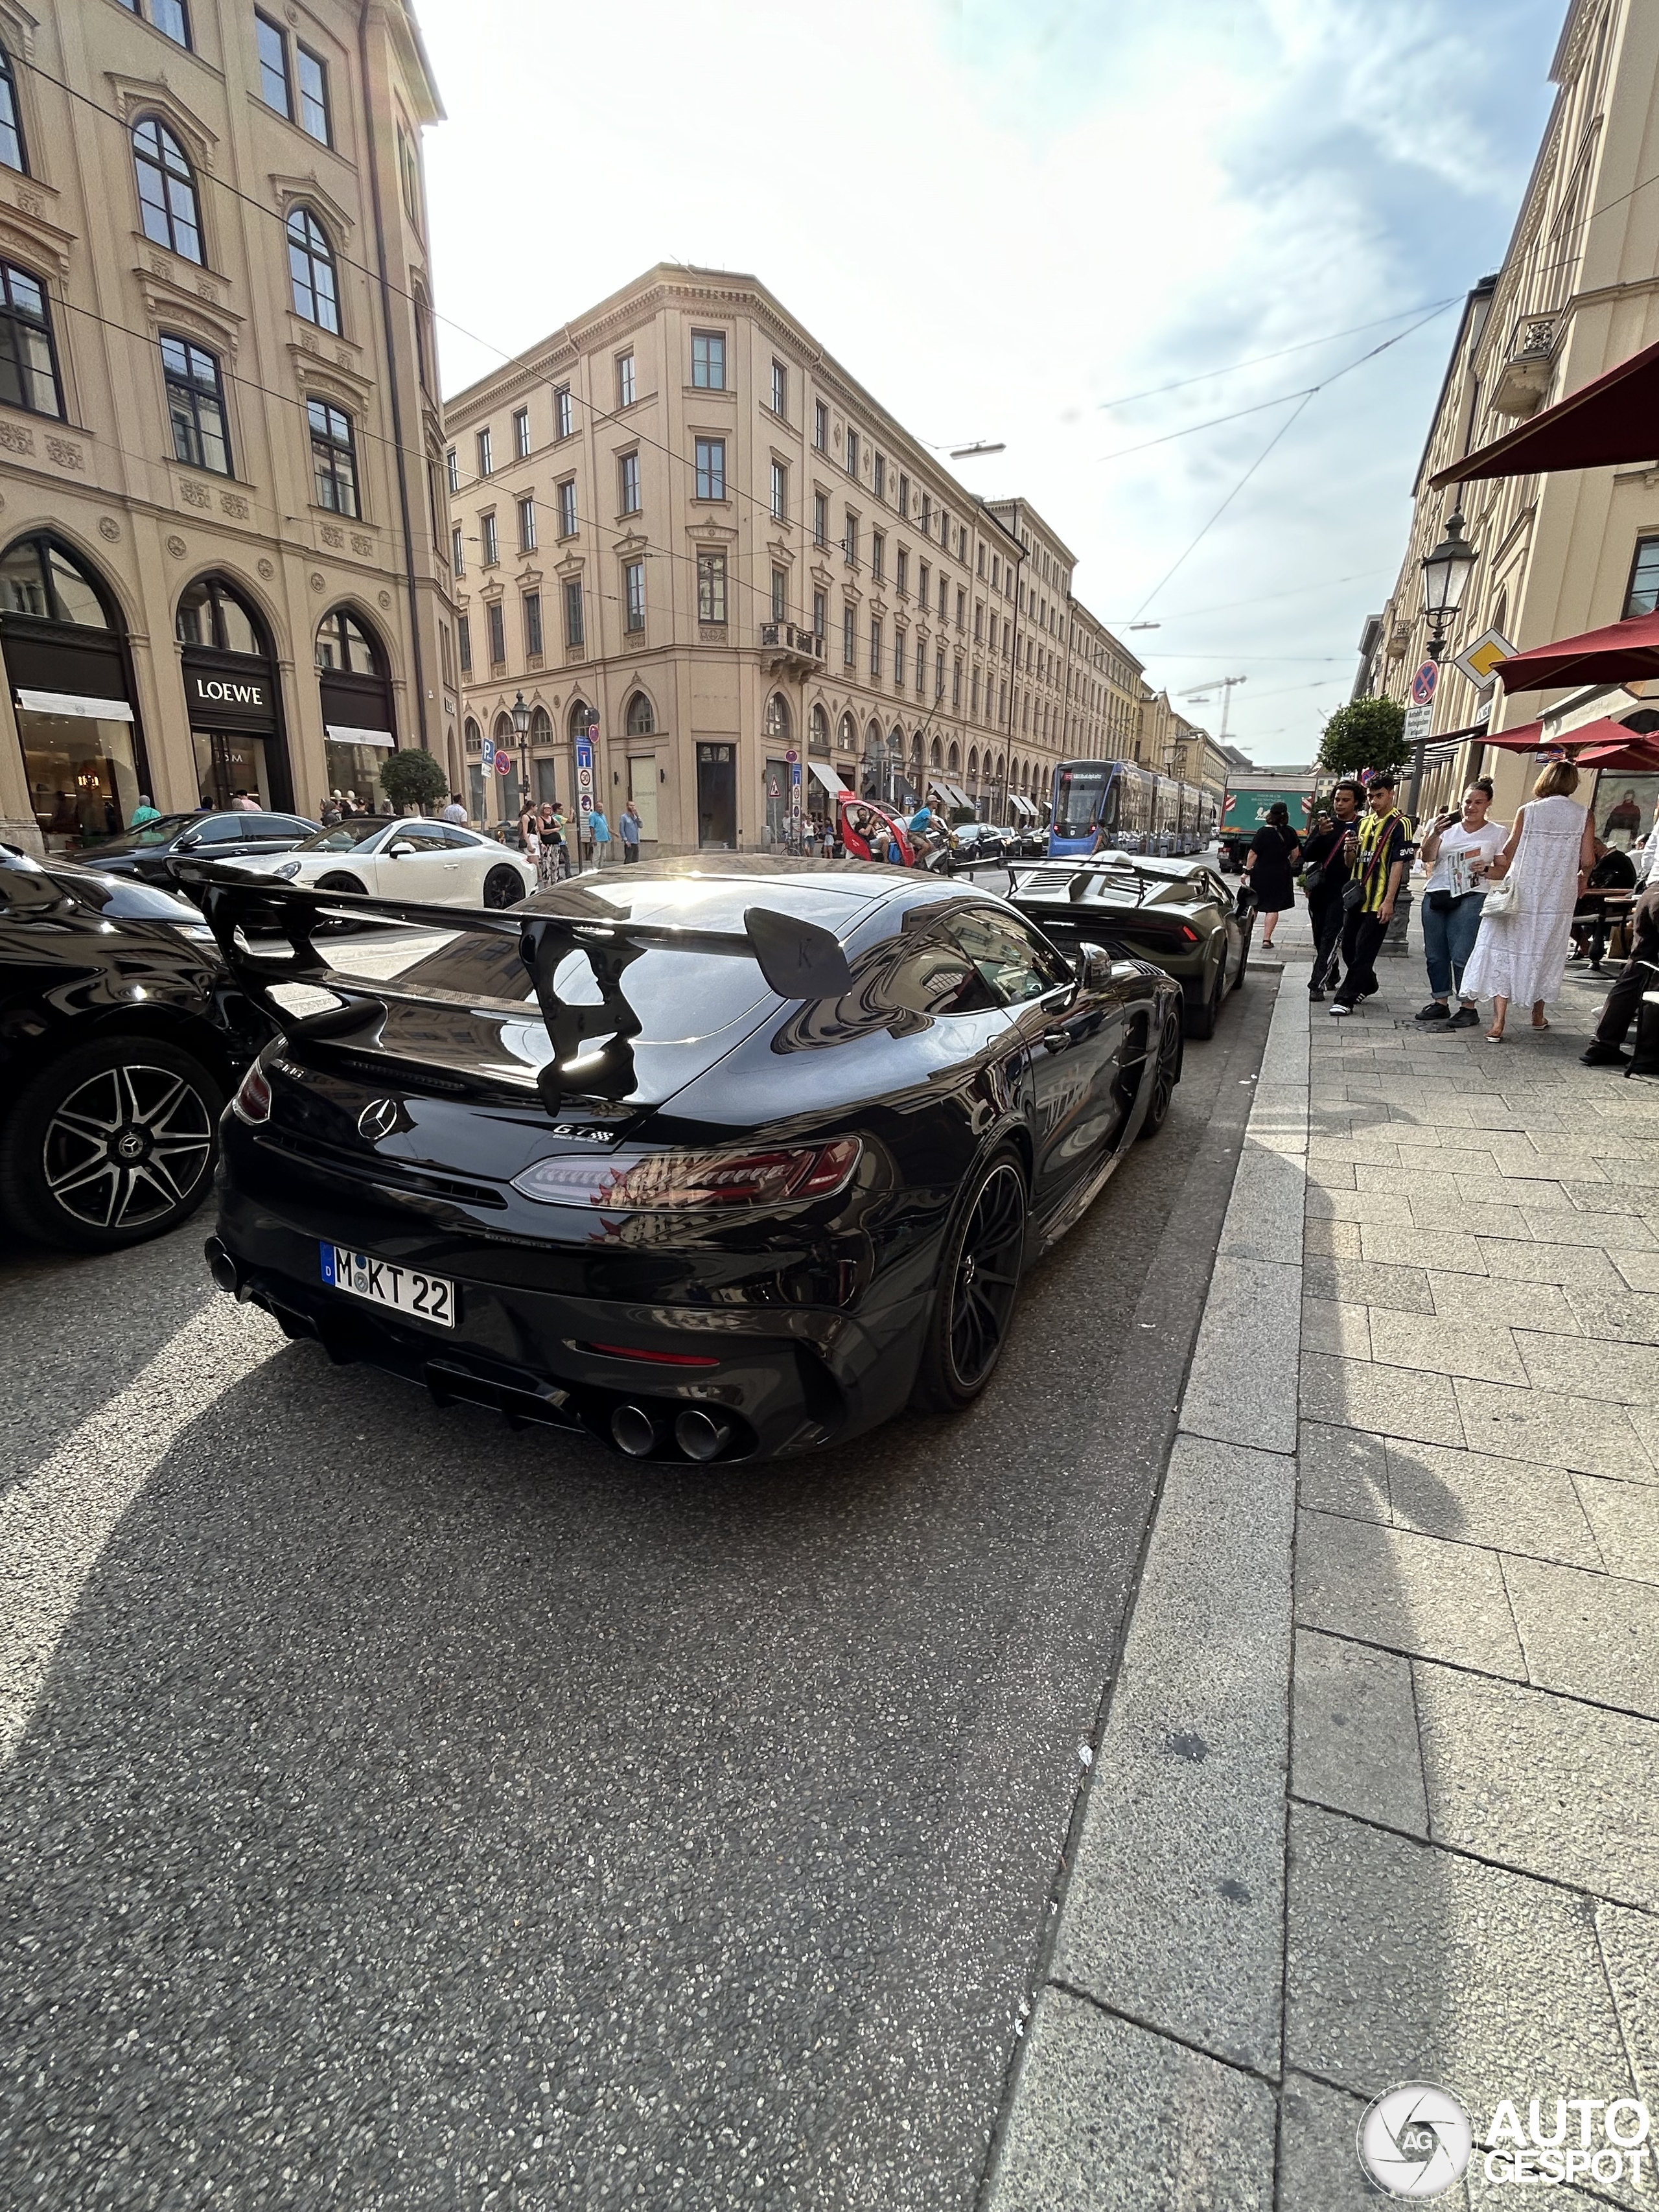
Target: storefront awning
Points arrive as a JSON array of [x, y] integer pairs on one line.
[[1022, 806], [1620, 652], [828, 777], [950, 792], [1614, 418], [338, 734], [73, 703]]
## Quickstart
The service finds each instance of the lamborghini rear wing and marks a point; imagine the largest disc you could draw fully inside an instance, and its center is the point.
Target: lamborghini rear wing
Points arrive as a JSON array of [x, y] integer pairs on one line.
[[798, 959]]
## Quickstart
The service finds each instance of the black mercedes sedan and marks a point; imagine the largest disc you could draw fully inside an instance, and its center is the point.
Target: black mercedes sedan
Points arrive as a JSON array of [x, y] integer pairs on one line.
[[121, 1035], [721, 1159], [150, 851]]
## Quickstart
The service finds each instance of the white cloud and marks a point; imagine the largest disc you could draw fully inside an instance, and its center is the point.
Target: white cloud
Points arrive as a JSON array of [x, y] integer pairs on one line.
[[999, 216]]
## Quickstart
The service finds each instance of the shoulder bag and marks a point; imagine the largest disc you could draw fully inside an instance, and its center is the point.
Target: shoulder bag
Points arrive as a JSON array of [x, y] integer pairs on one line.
[[1500, 899]]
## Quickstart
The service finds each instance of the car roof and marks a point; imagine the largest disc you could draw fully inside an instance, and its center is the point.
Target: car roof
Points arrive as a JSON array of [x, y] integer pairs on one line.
[[864, 884]]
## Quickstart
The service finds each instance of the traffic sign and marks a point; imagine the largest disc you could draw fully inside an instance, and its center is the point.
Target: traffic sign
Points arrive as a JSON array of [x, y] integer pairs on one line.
[[489, 754], [1478, 661], [504, 762], [585, 768], [1423, 685], [1418, 722]]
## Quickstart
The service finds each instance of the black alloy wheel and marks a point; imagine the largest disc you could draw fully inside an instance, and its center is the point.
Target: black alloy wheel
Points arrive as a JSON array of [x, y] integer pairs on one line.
[[503, 887], [112, 1143], [973, 1307], [1165, 1076]]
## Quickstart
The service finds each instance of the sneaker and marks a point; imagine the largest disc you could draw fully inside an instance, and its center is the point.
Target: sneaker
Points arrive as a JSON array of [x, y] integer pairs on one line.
[[1315, 993], [1337, 1008], [1466, 1018], [1436, 1010], [1603, 1055]]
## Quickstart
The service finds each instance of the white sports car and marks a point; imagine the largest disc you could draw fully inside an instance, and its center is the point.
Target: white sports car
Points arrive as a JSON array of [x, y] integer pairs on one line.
[[438, 863]]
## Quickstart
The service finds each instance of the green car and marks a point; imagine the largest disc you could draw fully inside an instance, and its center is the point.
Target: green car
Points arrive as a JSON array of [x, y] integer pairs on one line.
[[1177, 914]]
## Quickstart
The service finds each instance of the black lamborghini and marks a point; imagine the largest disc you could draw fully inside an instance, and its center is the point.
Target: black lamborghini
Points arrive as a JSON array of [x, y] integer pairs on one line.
[[717, 1159]]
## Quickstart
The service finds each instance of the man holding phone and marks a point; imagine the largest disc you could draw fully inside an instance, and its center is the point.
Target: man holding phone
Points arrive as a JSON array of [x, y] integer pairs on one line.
[[1378, 851], [1324, 859]]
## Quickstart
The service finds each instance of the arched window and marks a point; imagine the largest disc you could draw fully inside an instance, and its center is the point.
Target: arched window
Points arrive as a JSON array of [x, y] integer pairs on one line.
[[576, 721], [973, 765], [214, 613], [505, 740], [848, 734], [167, 189], [936, 758], [39, 577], [1001, 767], [954, 763], [311, 270], [776, 726], [541, 727], [12, 151], [474, 736], [344, 645], [819, 731], [915, 748], [640, 722]]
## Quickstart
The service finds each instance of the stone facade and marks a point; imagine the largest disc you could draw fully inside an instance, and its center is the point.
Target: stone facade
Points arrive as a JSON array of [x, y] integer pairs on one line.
[[227, 440]]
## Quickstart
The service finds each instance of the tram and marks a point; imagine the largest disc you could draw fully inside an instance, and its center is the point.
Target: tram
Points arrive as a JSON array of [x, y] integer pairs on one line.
[[1117, 807]]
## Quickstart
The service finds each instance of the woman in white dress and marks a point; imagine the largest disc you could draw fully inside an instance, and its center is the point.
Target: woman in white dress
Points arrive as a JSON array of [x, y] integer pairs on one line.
[[1523, 954]]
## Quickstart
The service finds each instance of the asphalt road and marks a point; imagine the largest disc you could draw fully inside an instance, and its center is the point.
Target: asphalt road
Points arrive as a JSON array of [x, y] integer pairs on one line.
[[399, 1811]]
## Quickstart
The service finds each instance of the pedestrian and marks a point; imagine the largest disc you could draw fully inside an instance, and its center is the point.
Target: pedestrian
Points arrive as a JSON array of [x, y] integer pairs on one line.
[[143, 812], [1612, 869], [1378, 851], [558, 849], [456, 809], [1453, 897], [599, 830], [1268, 866], [1624, 1002], [331, 815], [1323, 876], [530, 838], [243, 802], [1522, 953], [630, 826]]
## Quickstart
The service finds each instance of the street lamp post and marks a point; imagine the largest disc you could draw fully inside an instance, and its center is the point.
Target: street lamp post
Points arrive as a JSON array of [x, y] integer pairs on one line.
[[1446, 571], [521, 731]]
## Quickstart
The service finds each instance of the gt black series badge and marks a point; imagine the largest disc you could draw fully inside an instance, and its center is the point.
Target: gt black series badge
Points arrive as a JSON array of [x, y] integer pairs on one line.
[[379, 1118]]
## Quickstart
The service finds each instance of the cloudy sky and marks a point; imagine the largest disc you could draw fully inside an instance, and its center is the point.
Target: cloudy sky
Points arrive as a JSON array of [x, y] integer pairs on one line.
[[1077, 228]]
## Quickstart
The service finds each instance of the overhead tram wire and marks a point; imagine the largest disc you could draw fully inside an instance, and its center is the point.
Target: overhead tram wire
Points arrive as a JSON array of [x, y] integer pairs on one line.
[[1304, 345]]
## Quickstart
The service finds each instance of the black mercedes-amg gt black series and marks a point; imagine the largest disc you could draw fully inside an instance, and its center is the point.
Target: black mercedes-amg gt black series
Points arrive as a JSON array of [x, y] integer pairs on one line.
[[719, 1159]]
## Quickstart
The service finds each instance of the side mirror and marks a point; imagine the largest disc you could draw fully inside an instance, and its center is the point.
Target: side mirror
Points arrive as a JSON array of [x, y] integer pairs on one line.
[[399, 851], [1094, 967], [189, 842]]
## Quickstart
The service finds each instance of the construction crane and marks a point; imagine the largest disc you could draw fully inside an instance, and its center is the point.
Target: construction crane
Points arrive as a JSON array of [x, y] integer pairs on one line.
[[1224, 685]]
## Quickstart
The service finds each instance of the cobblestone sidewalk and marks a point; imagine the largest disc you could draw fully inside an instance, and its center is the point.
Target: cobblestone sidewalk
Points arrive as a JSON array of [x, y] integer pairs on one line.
[[1374, 1798]]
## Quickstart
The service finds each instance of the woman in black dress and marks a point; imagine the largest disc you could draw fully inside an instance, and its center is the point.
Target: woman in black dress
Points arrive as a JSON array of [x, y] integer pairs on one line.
[[1268, 866]]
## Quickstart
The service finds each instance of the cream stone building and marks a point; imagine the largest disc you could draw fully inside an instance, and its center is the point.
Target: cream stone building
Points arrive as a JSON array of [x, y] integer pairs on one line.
[[1577, 293], [222, 554], [680, 523]]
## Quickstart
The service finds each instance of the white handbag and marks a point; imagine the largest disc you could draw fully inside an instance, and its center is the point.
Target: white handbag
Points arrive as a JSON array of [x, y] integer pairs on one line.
[[1500, 899]]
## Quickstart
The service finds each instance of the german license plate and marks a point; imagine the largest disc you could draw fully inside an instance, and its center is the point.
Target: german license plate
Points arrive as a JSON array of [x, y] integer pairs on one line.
[[405, 1290]]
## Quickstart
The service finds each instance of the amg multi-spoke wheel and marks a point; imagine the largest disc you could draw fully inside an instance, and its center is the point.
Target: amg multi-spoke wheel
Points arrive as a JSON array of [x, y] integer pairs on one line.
[[1165, 1075], [112, 1143], [503, 887], [978, 1287]]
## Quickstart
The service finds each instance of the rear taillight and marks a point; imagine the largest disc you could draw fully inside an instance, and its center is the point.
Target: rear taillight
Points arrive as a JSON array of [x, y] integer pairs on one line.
[[252, 1103], [673, 1182]]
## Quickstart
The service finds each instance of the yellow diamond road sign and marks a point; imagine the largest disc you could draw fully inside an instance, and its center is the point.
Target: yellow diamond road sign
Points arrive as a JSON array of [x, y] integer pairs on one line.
[[1478, 661]]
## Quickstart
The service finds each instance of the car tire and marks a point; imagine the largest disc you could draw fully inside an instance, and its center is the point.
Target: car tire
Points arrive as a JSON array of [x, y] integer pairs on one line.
[[967, 1326], [1170, 1053], [503, 887], [1201, 1019], [112, 1143]]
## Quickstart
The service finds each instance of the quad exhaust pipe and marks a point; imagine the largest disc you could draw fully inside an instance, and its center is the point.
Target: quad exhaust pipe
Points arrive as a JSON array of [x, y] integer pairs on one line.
[[634, 1431], [700, 1436]]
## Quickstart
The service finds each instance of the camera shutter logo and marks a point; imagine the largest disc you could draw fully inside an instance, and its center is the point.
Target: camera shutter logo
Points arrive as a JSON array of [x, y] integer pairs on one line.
[[1415, 2140]]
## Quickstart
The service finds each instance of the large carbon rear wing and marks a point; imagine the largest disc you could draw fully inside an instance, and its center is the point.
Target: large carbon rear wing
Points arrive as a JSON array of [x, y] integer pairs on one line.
[[799, 960]]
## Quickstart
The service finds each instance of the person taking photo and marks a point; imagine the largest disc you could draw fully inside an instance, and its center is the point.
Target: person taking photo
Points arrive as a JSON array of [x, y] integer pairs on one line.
[[1378, 851]]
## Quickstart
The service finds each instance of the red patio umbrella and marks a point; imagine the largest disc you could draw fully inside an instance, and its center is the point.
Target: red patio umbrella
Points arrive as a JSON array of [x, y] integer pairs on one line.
[[1635, 756], [1620, 653], [1612, 419]]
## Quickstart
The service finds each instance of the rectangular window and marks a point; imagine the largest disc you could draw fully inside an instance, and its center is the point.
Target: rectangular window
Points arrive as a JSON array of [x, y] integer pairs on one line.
[[489, 550], [975, 691], [981, 560], [409, 175], [979, 621], [628, 472], [780, 594], [927, 515], [1642, 597], [901, 646], [881, 476], [486, 464], [527, 525], [167, 15], [779, 390], [820, 520], [780, 492], [497, 623], [574, 632], [852, 453], [902, 574], [463, 638], [625, 379], [273, 66], [562, 417], [875, 648], [196, 406], [921, 663], [708, 359], [711, 468], [996, 572], [904, 497], [922, 574], [313, 73], [847, 637], [820, 426], [961, 609], [532, 623], [633, 594], [452, 469], [877, 554], [521, 434], [457, 551], [820, 613], [955, 684], [333, 457], [944, 593], [850, 543], [939, 674], [567, 499], [711, 587]]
